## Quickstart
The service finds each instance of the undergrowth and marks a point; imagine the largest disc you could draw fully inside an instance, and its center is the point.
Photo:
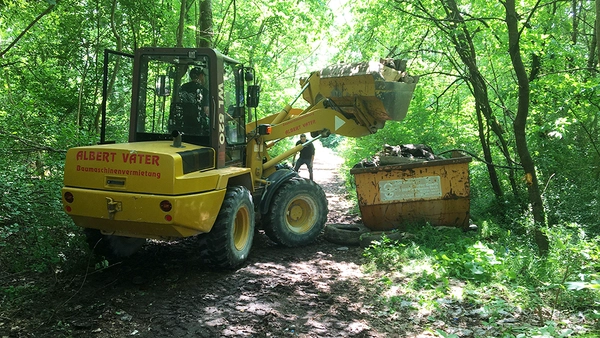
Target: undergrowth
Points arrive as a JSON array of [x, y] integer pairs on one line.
[[492, 281], [36, 238]]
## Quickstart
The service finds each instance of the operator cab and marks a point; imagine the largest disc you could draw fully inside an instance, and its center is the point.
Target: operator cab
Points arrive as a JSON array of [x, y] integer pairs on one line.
[[197, 92]]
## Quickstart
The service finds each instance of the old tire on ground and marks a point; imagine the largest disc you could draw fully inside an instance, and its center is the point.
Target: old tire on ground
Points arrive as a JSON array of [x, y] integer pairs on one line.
[[112, 247], [369, 237], [297, 214], [345, 234], [229, 242]]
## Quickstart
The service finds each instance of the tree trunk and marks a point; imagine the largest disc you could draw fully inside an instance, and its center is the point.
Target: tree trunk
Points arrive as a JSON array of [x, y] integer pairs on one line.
[[463, 44], [575, 17], [113, 75], [181, 25], [520, 124], [598, 30], [204, 38], [592, 61], [487, 154]]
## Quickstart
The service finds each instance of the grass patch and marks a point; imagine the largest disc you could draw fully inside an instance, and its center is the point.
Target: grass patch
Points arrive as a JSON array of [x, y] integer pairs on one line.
[[491, 283]]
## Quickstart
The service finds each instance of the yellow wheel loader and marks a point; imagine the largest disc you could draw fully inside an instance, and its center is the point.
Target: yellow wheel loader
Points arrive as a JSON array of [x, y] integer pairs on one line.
[[173, 164]]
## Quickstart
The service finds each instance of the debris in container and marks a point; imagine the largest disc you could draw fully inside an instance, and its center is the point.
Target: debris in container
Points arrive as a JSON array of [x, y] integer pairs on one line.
[[400, 66], [387, 69], [399, 154], [409, 184]]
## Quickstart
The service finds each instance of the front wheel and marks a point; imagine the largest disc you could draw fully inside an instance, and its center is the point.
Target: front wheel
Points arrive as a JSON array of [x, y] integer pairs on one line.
[[298, 213], [228, 244]]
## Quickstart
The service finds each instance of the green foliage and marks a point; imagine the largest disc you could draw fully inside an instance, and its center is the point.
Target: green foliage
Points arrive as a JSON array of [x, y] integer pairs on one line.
[[279, 39], [451, 255], [477, 262], [431, 262], [332, 141], [566, 139], [35, 231], [563, 128], [51, 84], [282, 146]]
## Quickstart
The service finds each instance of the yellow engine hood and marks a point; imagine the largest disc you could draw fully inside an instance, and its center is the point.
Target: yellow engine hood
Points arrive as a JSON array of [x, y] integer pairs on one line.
[[142, 167]]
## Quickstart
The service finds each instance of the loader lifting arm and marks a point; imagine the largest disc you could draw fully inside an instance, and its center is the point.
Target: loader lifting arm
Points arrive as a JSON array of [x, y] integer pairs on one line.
[[351, 100], [348, 99]]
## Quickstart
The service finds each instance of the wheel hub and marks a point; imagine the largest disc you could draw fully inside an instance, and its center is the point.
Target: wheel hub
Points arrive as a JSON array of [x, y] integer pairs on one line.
[[296, 213]]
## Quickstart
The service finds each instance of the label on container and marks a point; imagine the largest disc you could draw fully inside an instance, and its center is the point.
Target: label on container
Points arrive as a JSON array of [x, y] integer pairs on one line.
[[410, 189]]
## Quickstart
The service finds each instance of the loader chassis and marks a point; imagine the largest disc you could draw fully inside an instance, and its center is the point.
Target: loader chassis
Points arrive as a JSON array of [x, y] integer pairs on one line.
[[203, 168]]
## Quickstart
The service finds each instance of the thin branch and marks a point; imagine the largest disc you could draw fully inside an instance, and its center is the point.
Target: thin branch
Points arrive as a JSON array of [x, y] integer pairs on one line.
[[526, 23], [39, 17], [9, 64], [585, 129], [458, 76], [32, 145], [588, 69], [232, 25], [450, 86], [222, 24]]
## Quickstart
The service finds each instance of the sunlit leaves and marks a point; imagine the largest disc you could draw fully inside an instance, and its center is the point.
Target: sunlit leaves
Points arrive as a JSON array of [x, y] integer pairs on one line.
[[555, 47]]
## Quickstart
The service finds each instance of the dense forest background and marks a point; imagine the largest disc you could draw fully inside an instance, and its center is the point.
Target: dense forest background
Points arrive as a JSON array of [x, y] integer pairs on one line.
[[515, 84]]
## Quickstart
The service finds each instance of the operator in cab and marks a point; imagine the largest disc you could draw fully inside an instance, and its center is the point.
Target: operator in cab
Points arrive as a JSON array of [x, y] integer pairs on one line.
[[190, 114], [195, 90]]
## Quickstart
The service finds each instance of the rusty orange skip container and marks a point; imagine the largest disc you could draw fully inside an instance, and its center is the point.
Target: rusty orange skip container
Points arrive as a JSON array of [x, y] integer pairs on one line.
[[436, 191]]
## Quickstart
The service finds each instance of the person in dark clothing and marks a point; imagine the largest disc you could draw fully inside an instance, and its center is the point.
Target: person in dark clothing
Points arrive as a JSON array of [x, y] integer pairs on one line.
[[195, 91], [307, 156], [190, 114]]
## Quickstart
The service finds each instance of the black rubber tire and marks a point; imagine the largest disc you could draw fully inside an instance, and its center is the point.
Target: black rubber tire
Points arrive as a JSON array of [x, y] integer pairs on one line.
[[345, 234], [297, 214], [112, 247], [228, 244]]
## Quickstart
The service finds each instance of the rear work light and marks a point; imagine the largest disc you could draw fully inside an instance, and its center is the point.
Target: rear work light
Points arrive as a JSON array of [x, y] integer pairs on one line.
[[166, 206], [264, 129], [69, 197]]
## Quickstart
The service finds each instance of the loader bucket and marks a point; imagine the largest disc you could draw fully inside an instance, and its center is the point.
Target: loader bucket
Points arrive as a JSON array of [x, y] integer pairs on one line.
[[384, 92]]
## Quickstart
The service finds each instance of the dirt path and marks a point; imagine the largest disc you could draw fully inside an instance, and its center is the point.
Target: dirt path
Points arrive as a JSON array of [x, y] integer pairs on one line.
[[164, 291]]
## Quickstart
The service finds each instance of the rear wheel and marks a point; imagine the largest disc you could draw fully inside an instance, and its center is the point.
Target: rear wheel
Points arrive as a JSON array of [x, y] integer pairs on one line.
[[228, 244], [112, 247], [298, 213]]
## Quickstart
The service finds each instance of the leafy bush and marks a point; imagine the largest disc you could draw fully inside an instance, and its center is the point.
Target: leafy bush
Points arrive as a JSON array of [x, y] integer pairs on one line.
[[475, 262], [332, 141], [36, 234], [498, 270]]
